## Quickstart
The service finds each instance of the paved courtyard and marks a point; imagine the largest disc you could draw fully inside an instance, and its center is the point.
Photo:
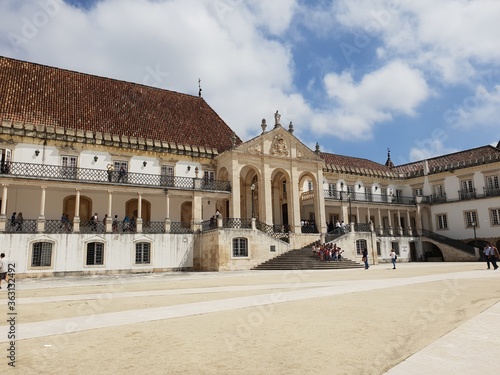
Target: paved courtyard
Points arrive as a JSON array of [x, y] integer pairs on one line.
[[423, 318]]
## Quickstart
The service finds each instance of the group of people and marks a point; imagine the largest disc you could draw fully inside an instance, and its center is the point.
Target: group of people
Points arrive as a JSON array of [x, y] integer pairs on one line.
[[16, 221], [128, 223], [339, 227], [492, 255], [121, 173], [327, 252]]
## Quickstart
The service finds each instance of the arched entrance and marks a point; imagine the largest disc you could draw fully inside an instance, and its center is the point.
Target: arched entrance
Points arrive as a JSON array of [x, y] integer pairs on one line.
[[131, 209], [85, 207], [280, 201], [186, 214]]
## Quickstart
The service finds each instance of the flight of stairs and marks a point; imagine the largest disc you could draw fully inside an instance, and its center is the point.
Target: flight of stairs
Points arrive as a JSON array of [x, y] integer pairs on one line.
[[303, 259]]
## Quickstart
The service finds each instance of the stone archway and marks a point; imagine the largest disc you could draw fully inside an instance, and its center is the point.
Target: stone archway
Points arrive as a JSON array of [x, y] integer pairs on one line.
[[131, 209], [186, 214], [85, 207]]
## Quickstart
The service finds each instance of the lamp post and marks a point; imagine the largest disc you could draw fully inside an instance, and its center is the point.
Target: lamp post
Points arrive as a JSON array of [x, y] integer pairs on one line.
[[252, 188], [475, 238]]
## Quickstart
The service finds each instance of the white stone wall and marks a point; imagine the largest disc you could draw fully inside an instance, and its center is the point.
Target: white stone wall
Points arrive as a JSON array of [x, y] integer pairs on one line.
[[68, 252]]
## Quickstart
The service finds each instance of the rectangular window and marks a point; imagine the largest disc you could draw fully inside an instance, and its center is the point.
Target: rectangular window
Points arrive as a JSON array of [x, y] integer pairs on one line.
[[208, 175], [492, 182], [69, 164], [467, 186], [121, 168], [331, 190], [495, 216], [418, 192], [167, 175], [442, 221], [438, 190], [360, 245], [95, 254], [395, 246], [310, 185], [240, 247], [470, 217], [42, 254], [143, 253]]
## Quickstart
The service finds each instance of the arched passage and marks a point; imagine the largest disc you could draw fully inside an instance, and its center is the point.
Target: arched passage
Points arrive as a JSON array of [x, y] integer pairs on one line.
[[85, 207], [131, 209]]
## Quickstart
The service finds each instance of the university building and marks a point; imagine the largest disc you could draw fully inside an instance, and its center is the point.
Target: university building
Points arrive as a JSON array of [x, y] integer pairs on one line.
[[104, 176]]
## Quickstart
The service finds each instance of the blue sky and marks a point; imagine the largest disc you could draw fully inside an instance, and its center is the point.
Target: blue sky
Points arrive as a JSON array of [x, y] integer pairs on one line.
[[356, 76]]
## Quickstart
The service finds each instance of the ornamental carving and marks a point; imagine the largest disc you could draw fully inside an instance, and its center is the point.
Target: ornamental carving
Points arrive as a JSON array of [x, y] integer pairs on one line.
[[279, 147], [255, 149]]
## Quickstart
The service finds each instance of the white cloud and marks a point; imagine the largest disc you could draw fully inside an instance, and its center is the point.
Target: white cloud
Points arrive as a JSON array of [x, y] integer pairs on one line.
[[395, 89], [446, 37], [480, 109], [429, 148]]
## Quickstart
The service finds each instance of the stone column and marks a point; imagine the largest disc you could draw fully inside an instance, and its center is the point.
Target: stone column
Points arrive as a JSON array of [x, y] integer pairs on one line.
[[109, 219], [197, 208], [3, 209], [400, 229], [380, 223], [319, 203], [138, 220], [410, 232], [391, 231], [167, 212], [294, 199], [76, 219], [234, 207], [40, 224]]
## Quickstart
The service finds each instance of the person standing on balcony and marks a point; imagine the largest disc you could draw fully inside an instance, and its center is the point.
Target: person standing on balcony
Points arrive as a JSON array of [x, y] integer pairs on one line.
[[13, 220], [115, 224], [121, 174], [94, 221], [110, 168], [19, 221]]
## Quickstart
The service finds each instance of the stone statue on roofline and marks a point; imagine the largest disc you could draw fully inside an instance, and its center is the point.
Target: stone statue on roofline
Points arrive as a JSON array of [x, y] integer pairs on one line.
[[277, 118]]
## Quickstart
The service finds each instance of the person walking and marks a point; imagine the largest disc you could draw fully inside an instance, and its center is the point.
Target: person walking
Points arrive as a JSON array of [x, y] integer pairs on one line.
[[4, 266], [110, 168], [394, 257], [365, 258], [489, 253]]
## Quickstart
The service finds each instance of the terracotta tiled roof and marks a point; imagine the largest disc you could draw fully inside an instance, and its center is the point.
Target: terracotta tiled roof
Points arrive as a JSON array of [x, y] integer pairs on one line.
[[457, 160], [348, 164], [45, 95]]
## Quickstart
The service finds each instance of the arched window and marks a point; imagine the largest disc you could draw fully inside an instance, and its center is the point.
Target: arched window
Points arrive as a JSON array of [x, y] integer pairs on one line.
[[41, 255], [240, 247], [360, 245], [95, 254], [142, 253]]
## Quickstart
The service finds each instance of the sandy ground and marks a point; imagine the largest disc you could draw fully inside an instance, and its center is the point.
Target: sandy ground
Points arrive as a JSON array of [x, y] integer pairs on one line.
[[361, 331]]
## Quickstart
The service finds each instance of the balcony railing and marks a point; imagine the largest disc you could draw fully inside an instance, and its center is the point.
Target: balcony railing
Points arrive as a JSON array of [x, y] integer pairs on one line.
[[467, 194], [491, 192], [61, 173], [365, 197]]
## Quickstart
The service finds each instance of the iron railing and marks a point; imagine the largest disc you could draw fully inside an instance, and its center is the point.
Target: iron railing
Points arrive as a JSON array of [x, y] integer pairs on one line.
[[22, 226], [153, 227], [491, 192], [236, 223], [449, 241], [467, 194], [62, 173], [368, 197], [270, 231], [179, 227]]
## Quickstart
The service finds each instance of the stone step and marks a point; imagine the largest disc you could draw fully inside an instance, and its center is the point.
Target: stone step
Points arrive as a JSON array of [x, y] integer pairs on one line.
[[304, 259]]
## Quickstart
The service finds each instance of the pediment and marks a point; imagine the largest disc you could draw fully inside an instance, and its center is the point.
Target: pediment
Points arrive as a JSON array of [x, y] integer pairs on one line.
[[278, 143]]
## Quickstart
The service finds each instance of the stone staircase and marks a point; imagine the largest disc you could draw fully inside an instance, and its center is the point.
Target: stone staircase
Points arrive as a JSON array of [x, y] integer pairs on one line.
[[303, 259]]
